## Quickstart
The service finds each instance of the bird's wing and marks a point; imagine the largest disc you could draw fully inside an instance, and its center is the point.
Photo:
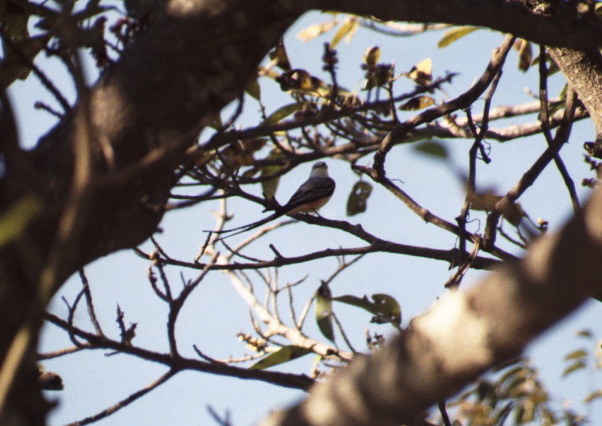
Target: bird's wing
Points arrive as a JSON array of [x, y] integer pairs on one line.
[[313, 189]]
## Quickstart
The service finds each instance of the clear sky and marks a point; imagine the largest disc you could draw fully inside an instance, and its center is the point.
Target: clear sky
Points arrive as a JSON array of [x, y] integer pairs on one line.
[[215, 313]]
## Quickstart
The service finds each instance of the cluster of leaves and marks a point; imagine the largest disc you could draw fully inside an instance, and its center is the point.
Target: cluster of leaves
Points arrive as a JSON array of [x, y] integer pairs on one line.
[[515, 394]]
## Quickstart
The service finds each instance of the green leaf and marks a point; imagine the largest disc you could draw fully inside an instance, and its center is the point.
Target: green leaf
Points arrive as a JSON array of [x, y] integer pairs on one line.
[[576, 354], [270, 186], [388, 309], [585, 333], [384, 307], [363, 302], [433, 149], [14, 221], [579, 365], [324, 311], [510, 373], [455, 34], [358, 198], [282, 112], [514, 385], [284, 354]]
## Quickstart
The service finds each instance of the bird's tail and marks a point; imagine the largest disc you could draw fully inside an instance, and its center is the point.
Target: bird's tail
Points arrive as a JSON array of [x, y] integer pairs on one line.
[[248, 227]]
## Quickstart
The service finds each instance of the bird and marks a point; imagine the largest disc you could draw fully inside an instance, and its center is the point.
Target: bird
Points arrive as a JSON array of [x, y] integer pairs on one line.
[[312, 195]]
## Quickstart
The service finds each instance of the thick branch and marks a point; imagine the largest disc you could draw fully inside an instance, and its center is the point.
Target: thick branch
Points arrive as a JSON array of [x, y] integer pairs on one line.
[[583, 71], [465, 334], [562, 28]]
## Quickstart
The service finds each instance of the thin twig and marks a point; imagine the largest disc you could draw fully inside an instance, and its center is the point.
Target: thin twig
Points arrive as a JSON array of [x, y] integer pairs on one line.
[[125, 402]]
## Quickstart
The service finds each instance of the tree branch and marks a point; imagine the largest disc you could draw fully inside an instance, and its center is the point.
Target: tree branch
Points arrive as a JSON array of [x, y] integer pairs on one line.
[[465, 334]]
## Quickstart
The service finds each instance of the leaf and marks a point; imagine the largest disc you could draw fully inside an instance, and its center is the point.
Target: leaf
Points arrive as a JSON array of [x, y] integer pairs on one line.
[[371, 56], [324, 311], [389, 310], [384, 307], [358, 198], [301, 81], [525, 54], [576, 354], [455, 34], [284, 354], [579, 365], [594, 395], [363, 302], [254, 89], [280, 58], [484, 389], [346, 31], [503, 414], [14, 221], [510, 373], [282, 112], [241, 152], [432, 149], [514, 386], [315, 30], [419, 102], [421, 73], [270, 186]]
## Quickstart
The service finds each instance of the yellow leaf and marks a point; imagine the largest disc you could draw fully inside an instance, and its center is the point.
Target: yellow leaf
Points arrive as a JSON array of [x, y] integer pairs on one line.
[[284, 354], [454, 34], [416, 103], [316, 30], [421, 73], [346, 31]]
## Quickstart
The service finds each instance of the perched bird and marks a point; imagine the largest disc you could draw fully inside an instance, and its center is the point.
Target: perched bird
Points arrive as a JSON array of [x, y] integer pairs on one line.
[[310, 197]]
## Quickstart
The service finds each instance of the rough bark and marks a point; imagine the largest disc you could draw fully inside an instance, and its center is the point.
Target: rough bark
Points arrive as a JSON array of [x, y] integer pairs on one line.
[[136, 125], [583, 71]]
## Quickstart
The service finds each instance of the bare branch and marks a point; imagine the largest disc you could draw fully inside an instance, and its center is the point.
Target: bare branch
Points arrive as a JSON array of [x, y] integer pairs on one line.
[[487, 324]]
